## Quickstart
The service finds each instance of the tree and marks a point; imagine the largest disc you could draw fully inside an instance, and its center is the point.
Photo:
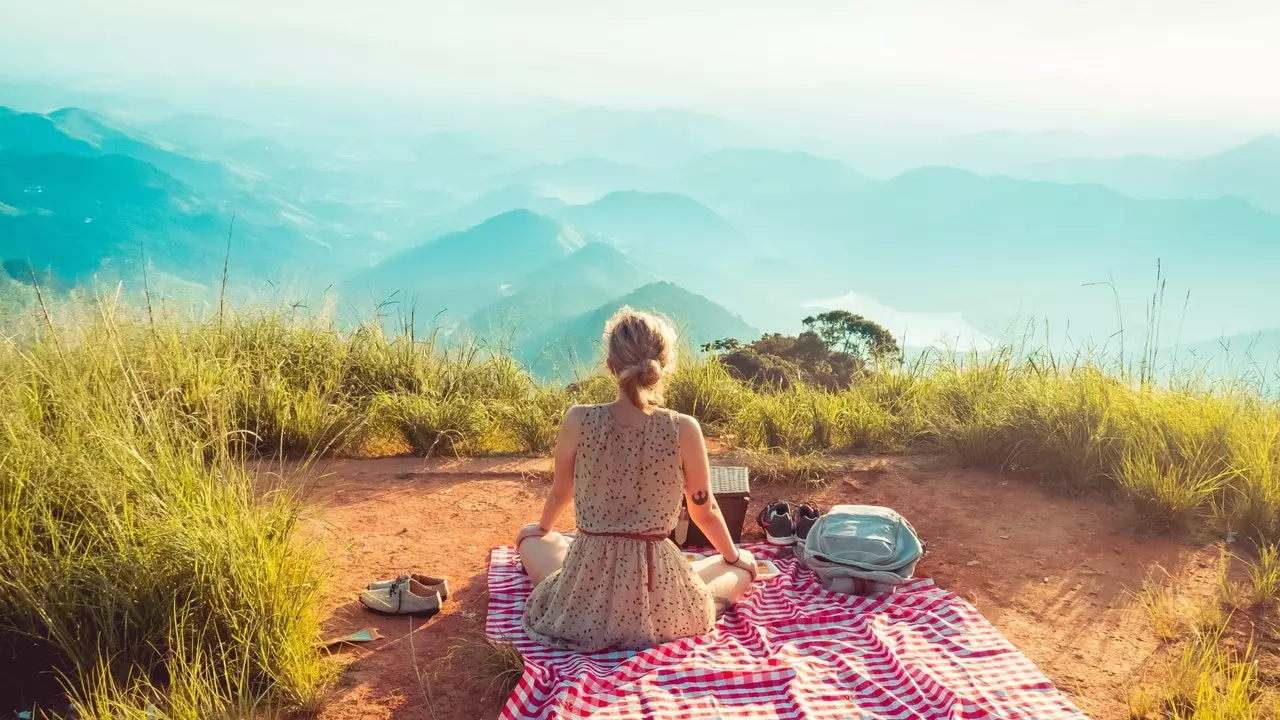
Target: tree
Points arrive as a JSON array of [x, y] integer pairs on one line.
[[851, 334], [727, 345]]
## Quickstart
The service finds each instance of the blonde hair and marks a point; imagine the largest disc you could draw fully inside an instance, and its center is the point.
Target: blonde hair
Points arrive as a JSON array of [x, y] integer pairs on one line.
[[642, 351]]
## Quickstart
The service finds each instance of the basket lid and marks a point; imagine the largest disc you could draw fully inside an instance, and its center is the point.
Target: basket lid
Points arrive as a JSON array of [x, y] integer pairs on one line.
[[729, 480]]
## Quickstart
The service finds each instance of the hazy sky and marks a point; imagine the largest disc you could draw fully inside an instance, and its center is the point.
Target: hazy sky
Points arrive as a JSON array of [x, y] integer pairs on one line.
[[952, 64]]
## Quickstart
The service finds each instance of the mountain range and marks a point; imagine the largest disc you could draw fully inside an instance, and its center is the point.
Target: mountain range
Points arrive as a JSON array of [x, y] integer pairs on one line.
[[1250, 172], [461, 272], [73, 131], [569, 286], [594, 206], [536, 286]]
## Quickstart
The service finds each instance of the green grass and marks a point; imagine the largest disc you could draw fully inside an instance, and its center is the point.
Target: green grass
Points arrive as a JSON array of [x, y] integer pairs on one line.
[[1264, 575], [1206, 682], [134, 541], [1162, 608]]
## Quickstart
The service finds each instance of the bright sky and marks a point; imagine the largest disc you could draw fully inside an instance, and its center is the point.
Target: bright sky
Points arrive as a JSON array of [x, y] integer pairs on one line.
[[968, 64]]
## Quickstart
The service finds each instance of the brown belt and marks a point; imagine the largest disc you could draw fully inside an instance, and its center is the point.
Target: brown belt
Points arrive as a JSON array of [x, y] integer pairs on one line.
[[651, 541]]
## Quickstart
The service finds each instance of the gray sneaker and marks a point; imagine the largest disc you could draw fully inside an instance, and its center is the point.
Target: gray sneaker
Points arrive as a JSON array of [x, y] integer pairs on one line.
[[775, 520], [404, 596], [805, 517]]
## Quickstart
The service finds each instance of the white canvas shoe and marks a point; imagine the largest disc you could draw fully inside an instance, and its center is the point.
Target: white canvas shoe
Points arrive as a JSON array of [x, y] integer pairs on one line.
[[404, 596], [439, 584]]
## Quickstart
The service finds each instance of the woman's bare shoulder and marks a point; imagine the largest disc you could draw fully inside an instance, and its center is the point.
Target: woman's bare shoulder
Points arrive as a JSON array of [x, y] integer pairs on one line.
[[688, 424], [577, 414]]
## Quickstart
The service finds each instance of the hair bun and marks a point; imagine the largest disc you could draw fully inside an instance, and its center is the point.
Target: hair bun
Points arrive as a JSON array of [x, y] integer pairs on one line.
[[650, 373]]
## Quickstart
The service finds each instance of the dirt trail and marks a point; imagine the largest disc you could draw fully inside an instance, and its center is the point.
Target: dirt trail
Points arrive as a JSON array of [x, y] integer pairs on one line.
[[1053, 573]]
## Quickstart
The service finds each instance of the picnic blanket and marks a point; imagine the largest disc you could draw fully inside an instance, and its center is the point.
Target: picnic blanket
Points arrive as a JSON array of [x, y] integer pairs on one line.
[[789, 650]]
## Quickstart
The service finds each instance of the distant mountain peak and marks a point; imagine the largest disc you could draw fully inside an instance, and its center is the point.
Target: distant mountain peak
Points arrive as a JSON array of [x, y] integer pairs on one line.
[[635, 197], [1266, 145], [575, 342], [596, 250], [520, 217], [88, 125], [937, 173], [74, 113]]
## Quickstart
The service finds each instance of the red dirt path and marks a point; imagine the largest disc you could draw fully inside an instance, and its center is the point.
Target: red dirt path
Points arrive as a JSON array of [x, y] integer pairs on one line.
[[1053, 573]]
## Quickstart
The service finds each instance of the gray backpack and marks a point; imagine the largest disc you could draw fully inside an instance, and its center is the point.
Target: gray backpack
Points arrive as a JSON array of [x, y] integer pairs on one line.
[[861, 549]]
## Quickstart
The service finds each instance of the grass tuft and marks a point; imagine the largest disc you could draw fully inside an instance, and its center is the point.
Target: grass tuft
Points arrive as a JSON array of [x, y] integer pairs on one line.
[[812, 469], [1162, 608], [497, 663], [1264, 575]]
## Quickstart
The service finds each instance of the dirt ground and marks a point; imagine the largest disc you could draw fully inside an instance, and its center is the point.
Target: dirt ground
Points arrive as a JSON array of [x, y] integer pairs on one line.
[[1054, 573]]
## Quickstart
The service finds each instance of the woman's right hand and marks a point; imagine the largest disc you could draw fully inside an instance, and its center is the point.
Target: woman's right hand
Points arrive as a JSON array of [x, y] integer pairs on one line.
[[745, 561], [528, 531]]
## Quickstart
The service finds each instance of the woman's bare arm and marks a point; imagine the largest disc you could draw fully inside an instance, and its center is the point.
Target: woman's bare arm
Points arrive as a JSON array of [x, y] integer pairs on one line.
[[562, 485], [703, 508]]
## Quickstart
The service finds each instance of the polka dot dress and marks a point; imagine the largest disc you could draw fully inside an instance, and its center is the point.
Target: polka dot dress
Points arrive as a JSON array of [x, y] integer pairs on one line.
[[626, 480]]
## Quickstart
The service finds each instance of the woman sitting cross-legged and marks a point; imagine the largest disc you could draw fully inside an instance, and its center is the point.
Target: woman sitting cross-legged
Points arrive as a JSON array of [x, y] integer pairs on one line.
[[621, 584]]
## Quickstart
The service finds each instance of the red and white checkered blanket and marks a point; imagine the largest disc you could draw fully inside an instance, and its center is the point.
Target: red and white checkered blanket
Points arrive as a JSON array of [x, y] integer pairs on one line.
[[789, 650]]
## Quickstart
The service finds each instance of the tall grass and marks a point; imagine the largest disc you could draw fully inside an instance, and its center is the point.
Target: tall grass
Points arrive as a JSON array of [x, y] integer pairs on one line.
[[134, 544], [1183, 456]]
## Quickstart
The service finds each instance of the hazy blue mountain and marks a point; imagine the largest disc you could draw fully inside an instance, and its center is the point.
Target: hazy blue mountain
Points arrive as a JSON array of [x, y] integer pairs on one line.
[[586, 179], [564, 289], [36, 134], [940, 239], [199, 130], [1250, 171], [597, 264], [886, 154], [994, 151], [683, 240], [640, 137], [722, 176], [496, 202], [742, 172], [563, 348], [654, 226], [78, 215], [1261, 346], [261, 153], [461, 272], [80, 132], [1251, 357]]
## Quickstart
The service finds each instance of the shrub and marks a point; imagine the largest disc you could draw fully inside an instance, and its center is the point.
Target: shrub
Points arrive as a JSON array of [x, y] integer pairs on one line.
[[438, 425], [534, 421], [705, 390]]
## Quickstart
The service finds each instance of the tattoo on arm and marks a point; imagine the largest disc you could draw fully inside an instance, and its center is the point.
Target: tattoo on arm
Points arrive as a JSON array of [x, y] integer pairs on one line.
[[700, 497]]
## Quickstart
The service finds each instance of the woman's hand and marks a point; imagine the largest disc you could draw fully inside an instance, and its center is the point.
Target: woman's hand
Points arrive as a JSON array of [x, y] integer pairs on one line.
[[528, 531], [745, 561]]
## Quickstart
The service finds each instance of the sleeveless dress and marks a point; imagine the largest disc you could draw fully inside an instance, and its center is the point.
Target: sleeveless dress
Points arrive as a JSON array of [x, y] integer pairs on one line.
[[626, 481]]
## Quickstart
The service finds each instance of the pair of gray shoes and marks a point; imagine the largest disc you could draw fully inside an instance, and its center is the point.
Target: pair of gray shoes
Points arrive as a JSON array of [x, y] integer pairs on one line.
[[409, 594]]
